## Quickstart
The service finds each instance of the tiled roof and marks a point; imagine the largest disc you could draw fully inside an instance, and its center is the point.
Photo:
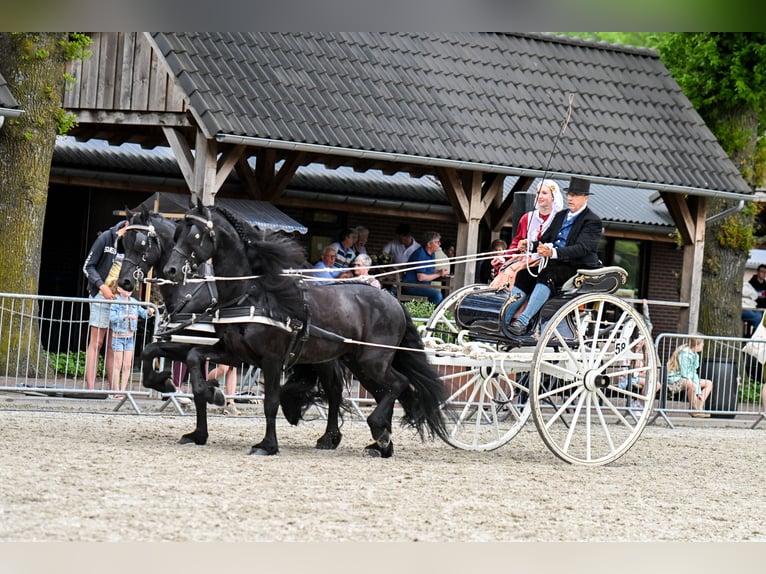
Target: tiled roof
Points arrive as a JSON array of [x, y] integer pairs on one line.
[[616, 205], [7, 100], [493, 99]]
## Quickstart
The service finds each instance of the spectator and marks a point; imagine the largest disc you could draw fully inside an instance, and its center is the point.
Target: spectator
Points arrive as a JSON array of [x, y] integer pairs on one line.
[[486, 270], [362, 235], [424, 274], [758, 281], [683, 375], [344, 252], [570, 243], [123, 321], [403, 246], [97, 266], [362, 264], [327, 266], [750, 314], [230, 386]]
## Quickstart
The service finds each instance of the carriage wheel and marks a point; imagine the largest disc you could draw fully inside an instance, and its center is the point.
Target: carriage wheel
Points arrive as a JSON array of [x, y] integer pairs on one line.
[[487, 404], [582, 399], [441, 324]]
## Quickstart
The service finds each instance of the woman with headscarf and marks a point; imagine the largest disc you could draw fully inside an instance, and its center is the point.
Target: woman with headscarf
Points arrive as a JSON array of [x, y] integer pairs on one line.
[[532, 225]]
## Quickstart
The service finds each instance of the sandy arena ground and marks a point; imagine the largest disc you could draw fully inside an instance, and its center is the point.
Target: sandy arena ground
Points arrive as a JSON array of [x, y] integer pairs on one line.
[[102, 476]]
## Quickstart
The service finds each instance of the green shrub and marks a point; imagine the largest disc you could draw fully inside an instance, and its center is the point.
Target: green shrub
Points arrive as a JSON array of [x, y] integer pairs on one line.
[[420, 309], [73, 364]]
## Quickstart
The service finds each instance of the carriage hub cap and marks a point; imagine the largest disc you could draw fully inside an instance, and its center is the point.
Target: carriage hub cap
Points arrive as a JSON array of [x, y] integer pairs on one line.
[[594, 380]]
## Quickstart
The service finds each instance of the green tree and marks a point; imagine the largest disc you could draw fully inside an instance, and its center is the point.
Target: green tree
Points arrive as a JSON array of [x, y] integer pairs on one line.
[[724, 76], [33, 64]]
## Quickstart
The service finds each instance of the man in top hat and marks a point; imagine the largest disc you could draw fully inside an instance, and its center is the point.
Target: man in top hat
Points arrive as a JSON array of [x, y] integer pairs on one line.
[[570, 243]]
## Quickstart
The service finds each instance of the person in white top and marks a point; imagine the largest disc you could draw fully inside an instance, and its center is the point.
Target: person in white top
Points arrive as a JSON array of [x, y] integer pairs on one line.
[[401, 248]]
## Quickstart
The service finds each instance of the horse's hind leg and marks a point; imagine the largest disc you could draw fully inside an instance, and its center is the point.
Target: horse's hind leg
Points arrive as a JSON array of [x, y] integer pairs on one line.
[[331, 377], [379, 421]]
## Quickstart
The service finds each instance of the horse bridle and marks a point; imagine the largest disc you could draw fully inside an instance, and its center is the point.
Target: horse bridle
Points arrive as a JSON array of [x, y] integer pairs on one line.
[[207, 227], [151, 234]]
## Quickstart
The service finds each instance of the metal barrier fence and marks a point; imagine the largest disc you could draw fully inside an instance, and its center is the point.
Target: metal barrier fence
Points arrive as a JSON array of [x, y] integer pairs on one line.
[[43, 349], [733, 364], [43, 343]]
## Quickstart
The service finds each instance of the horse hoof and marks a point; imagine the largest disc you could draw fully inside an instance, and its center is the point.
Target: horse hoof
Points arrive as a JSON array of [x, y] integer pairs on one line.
[[329, 442], [192, 439], [260, 451], [374, 450], [218, 399]]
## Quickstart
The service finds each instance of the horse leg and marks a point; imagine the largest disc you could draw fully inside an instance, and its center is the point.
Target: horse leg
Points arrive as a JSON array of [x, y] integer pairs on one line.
[[272, 373], [159, 381], [331, 377], [195, 364], [380, 419]]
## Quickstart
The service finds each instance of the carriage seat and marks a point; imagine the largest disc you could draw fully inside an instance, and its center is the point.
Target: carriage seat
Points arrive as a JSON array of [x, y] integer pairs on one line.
[[481, 312]]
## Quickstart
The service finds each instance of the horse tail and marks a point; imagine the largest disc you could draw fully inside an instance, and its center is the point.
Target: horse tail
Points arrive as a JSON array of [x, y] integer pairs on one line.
[[302, 390], [424, 396]]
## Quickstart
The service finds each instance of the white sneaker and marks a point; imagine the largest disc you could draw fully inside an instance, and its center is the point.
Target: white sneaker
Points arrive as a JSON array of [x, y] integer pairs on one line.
[[231, 410]]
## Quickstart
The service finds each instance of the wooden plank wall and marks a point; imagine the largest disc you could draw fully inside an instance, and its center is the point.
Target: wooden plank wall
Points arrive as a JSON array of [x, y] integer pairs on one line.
[[123, 74]]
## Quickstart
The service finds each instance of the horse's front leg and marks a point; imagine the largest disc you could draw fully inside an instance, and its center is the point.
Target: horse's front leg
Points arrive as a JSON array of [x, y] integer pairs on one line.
[[272, 374], [159, 381], [331, 378], [195, 364]]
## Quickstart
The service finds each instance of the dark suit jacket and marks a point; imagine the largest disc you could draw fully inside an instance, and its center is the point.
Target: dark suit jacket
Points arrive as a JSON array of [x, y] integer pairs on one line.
[[581, 249]]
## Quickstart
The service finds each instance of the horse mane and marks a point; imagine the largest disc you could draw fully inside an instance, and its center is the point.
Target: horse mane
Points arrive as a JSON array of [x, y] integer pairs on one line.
[[269, 254]]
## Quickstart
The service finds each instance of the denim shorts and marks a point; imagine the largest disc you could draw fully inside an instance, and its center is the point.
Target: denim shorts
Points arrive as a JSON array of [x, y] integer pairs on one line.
[[123, 343], [99, 312]]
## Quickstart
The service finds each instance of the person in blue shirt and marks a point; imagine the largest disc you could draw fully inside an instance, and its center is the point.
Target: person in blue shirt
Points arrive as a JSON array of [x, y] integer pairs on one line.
[[123, 321], [327, 267], [683, 375], [422, 269]]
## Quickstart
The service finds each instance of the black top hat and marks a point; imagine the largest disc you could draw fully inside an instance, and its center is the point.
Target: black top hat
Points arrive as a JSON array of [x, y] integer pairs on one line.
[[578, 186]]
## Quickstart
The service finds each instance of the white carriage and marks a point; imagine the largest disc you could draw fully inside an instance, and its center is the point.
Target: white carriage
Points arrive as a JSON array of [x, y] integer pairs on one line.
[[587, 376]]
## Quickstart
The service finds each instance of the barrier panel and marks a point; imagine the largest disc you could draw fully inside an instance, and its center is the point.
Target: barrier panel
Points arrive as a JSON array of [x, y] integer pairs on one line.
[[44, 339], [734, 366], [43, 349]]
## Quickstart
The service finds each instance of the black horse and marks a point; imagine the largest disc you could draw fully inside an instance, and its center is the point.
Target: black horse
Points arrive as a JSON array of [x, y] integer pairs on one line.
[[148, 242], [365, 327]]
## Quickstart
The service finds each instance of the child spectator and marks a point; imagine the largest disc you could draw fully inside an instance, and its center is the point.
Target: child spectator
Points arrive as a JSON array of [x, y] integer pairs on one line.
[[123, 321], [683, 376]]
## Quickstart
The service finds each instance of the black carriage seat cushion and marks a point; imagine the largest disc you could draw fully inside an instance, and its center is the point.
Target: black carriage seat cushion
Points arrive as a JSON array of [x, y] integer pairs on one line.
[[599, 280]]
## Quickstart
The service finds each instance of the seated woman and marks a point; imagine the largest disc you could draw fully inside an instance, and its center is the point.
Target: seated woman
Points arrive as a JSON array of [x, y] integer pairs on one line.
[[683, 376], [532, 225], [361, 266]]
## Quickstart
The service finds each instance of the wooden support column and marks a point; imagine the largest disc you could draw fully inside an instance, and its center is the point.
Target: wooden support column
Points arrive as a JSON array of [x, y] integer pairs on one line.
[[689, 214], [471, 197], [203, 171]]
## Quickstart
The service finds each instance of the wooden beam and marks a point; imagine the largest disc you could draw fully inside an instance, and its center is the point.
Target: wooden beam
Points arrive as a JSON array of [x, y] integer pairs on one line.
[[285, 174], [182, 152], [205, 163], [226, 163], [678, 207], [247, 176], [143, 119], [453, 186]]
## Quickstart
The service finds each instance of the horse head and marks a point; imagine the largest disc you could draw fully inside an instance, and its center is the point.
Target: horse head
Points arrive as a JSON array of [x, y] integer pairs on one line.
[[195, 243], [146, 239]]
